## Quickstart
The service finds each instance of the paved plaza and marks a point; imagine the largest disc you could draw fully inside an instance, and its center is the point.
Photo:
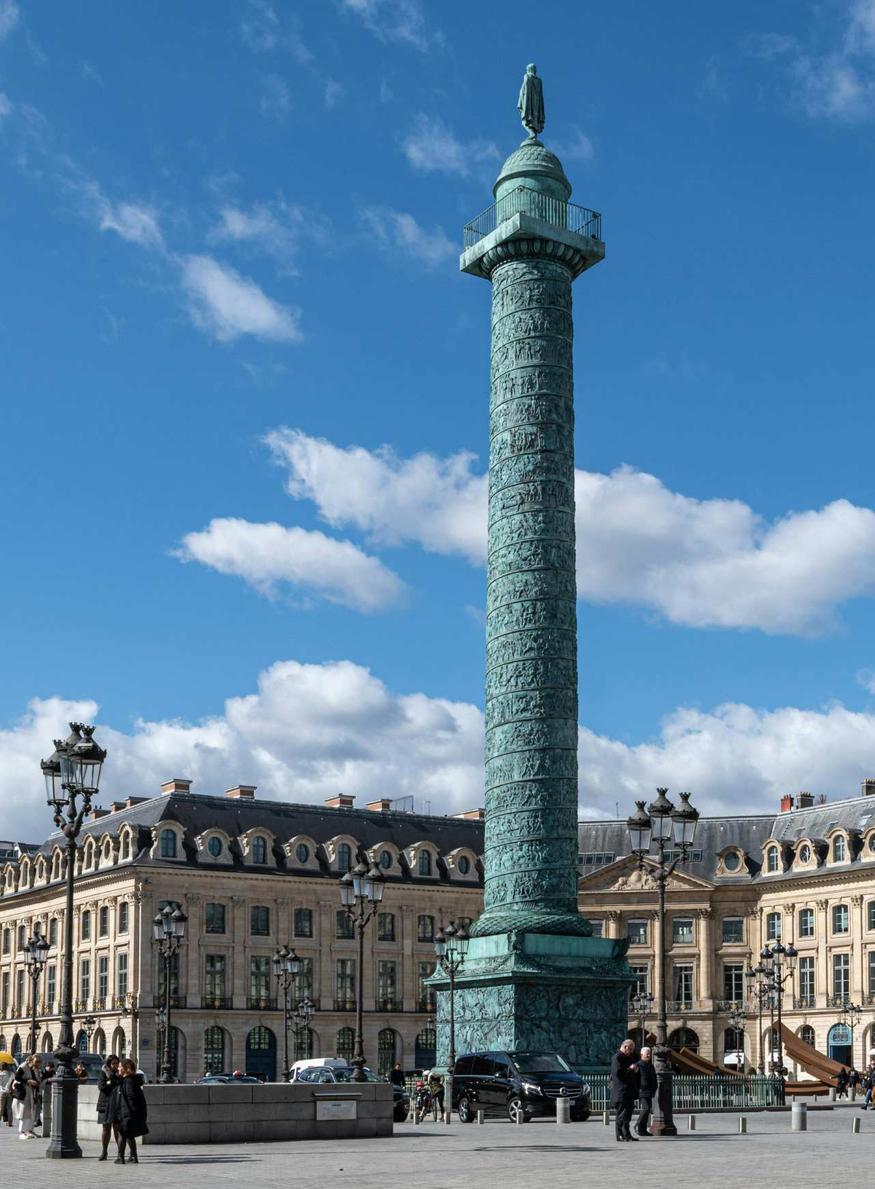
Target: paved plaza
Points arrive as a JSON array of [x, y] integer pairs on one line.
[[538, 1154]]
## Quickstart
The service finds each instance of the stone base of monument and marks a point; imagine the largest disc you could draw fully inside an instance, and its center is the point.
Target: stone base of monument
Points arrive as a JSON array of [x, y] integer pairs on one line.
[[539, 991], [229, 1114]]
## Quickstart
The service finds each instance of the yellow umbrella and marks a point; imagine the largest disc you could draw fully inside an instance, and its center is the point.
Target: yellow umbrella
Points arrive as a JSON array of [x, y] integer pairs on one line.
[[6, 1058]]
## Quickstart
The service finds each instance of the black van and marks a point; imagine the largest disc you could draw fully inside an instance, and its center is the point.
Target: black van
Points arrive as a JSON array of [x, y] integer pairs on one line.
[[517, 1083]]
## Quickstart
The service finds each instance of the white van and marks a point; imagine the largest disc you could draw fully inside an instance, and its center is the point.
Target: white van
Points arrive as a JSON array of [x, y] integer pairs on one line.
[[317, 1062]]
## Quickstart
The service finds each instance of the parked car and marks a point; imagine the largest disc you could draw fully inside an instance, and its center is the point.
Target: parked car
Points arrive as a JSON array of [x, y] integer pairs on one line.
[[326, 1074], [219, 1079], [517, 1083], [317, 1063]]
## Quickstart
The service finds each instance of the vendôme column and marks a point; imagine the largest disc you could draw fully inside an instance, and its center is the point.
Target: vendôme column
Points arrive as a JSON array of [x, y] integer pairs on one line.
[[534, 975]]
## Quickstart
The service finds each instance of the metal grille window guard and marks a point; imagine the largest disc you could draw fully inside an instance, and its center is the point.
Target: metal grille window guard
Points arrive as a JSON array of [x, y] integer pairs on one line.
[[803, 1001], [389, 1004], [679, 1005], [218, 1002], [523, 200], [344, 1004], [261, 1003]]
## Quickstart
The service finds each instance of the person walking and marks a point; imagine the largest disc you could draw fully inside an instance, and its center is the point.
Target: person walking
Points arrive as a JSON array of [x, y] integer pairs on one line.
[[624, 1089], [128, 1110], [107, 1081], [396, 1075], [25, 1085], [646, 1089], [841, 1083], [6, 1074]]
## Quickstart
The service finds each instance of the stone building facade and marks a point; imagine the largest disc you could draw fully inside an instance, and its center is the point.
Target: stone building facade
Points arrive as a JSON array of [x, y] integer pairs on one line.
[[251, 875]]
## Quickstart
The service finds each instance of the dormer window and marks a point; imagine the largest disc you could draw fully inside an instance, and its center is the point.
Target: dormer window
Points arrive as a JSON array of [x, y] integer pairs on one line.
[[772, 860], [214, 846], [344, 856], [168, 844], [463, 865], [423, 865], [805, 853], [839, 849], [302, 853], [259, 850], [385, 859], [731, 860]]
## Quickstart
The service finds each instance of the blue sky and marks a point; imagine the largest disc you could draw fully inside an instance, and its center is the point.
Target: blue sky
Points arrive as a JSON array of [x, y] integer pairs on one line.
[[245, 391]]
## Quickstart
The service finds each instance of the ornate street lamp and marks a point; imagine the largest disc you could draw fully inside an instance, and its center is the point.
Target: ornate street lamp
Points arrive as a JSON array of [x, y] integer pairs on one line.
[[778, 964], [89, 1027], [72, 776], [286, 965], [850, 1015], [301, 1018], [361, 891], [36, 951], [642, 1002], [450, 947], [737, 1016], [760, 994], [168, 930], [662, 823]]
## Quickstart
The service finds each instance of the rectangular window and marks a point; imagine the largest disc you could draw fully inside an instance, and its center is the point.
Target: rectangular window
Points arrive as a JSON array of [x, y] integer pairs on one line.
[[22, 937], [7, 940], [259, 981], [840, 918], [733, 983], [733, 930], [4, 995], [259, 921], [773, 926], [425, 928], [426, 994], [871, 974], [214, 977], [344, 926], [85, 929], [386, 926], [303, 922], [683, 986], [344, 984], [595, 859], [103, 976], [303, 988], [682, 931], [53, 931], [641, 973], [598, 928], [841, 975], [103, 922], [19, 993], [121, 980], [806, 981], [806, 922], [387, 975], [215, 918], [637, 932], [51, 986], [85, 978], [123, 917]]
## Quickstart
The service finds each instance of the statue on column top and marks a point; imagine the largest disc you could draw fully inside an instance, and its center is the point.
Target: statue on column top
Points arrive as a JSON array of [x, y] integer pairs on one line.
[[531, 102]]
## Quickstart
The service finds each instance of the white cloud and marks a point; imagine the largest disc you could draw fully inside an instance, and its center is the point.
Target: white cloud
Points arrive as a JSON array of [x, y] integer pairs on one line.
[[9, 17], [5, 105], [395, 20], [309, 731], [866, 678], [333, 92], [275, 99], [397, 229], [578, 147], [269, 556], [276, 229], [312, 730], [701, 563], [226, 305], [262, 31], [432, 147], [135, 222]]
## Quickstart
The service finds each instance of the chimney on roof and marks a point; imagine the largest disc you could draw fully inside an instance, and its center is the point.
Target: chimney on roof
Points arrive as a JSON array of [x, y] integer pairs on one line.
[[472, 815], [177, 785], [382, 805], [867, 788], [132, 801], [97, 812], [786, 803], [805, 800], [340, 801], [117, 805], [242, 792]]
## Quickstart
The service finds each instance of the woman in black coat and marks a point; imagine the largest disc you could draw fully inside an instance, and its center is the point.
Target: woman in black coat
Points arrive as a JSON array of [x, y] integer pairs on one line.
[[128, 1110], [107, 1081]]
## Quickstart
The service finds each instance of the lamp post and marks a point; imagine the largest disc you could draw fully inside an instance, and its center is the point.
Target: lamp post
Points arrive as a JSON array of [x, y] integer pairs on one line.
[[737, 1016], [450, 947], [779, 964], [361, 891], [286, 965], [642, 1002], [89, 1027], [160, 1025], [661, 823], [36, 951], [301, 1018], [72, 776], [168, 930], [850, 1015], [759, 993]]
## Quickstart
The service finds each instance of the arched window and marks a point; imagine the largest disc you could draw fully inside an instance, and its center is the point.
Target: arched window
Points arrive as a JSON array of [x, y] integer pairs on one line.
[[425, 1051], [214, 1050], [125, 852], [733, 1047], [302, 853], [346, 1044], [168, 844], [261, 1053], [304, 1044], [838, 1044], [119, 1043], [82, 1041], [214, 845], [839, 849], [344, 856], [385, 859], [387, 1047], [16, 1047], [684, 1038], [48, 1043], [424, 862], [259, 849], [464, 864], [806, 1034], [772, 859]]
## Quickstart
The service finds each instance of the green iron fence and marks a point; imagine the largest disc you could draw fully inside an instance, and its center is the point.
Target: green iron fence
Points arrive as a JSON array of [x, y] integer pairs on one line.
[[694, 1092]]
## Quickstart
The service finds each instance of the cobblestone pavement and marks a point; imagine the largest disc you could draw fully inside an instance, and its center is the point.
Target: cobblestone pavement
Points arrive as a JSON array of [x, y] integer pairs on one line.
[[497, 1154]]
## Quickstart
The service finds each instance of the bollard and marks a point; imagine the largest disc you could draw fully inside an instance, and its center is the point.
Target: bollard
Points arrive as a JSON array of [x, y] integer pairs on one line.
[[606, 1118], [448, 1117], [691, 1123], [832, 1094], [521, 1116], [563, 1110], [855, 1126], [481, 1116], [417, 1117], [799, 1116], [742, 1126]]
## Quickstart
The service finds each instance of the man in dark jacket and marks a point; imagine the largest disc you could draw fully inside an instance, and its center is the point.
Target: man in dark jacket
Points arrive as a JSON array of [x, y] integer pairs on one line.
[[646, 1089], [624, 1089]]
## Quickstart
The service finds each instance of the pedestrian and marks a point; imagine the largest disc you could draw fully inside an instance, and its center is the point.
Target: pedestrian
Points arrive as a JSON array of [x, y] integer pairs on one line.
[[107, 1081], [436, 1089], [646, 1089], [25, 1084], [624, 1089], [128, 1111], [6, 1074], [841, 1083], [80, 1072], [853, 1080], [396, 1074]]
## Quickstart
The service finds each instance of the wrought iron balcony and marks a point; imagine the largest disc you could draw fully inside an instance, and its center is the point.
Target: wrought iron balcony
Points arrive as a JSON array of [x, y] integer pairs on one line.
[[526, 201], [99, 1003], [803, 1001], [216, 1002], [679, 1006], [261, 1003], [426, 1003], [344, 1004], [389, 1003], [80, 1005]]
